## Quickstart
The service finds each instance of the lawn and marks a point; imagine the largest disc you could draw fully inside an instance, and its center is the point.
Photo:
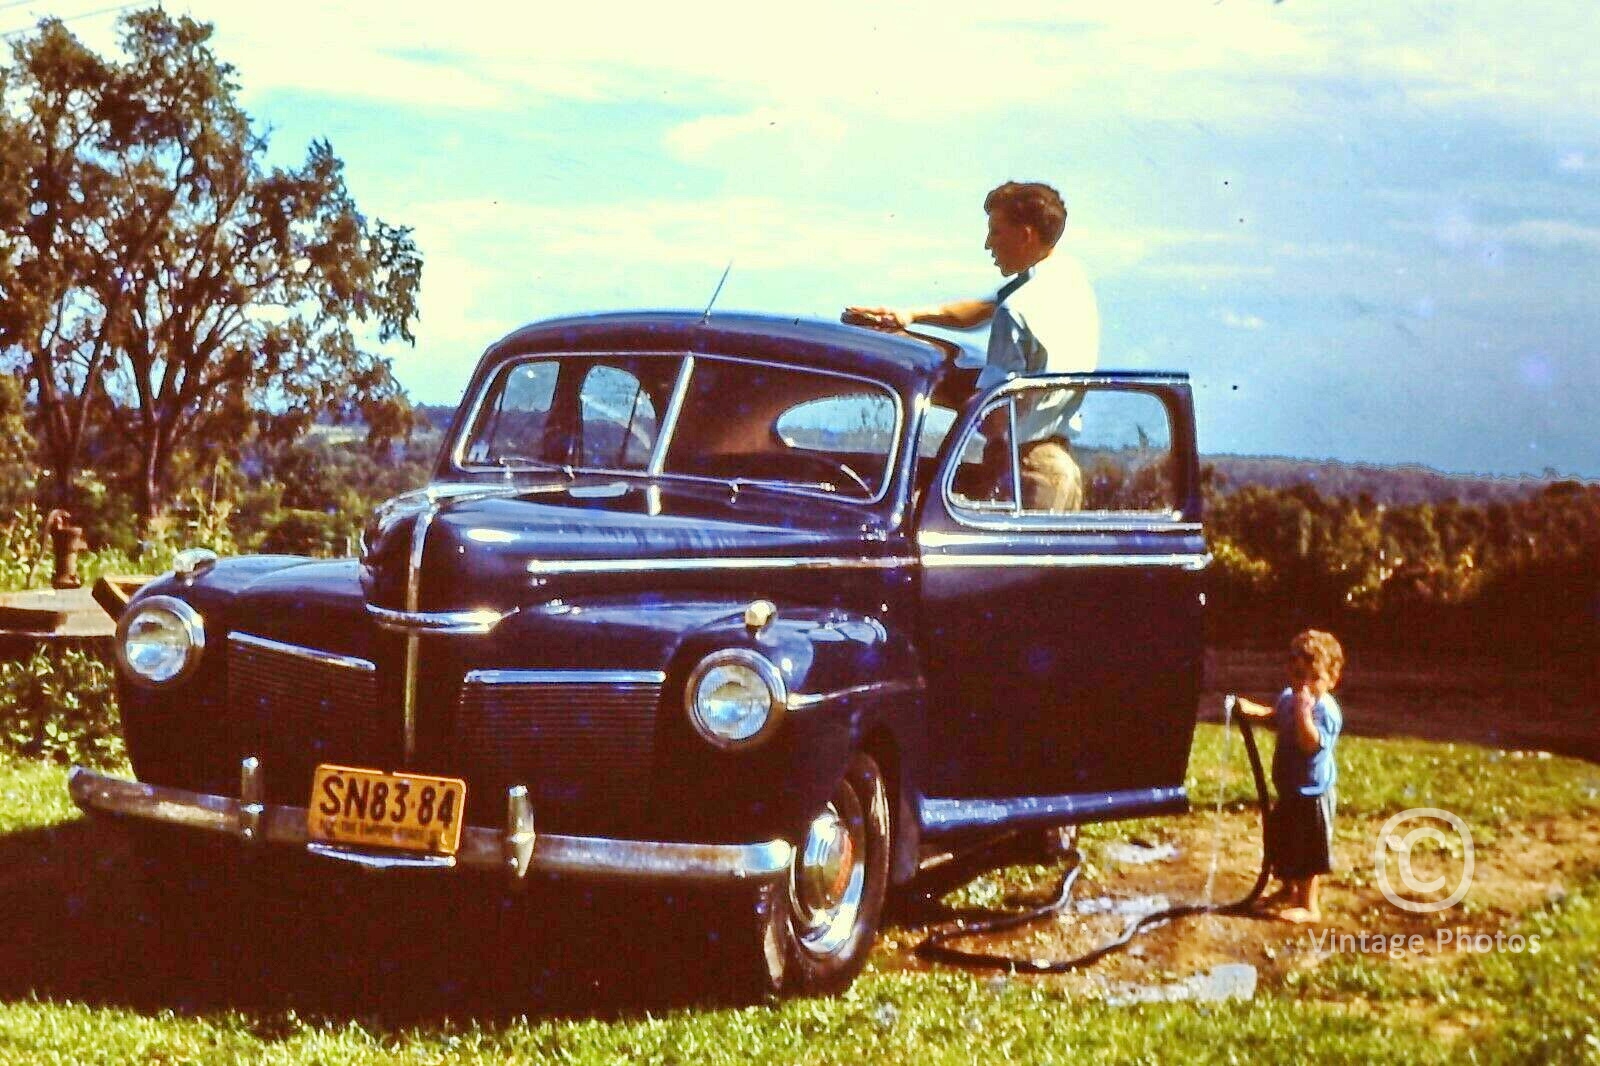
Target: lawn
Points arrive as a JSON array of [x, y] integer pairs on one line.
[[387, 971]]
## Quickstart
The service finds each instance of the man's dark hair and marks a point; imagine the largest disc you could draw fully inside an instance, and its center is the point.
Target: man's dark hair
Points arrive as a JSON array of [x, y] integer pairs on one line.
[[1030, 203]]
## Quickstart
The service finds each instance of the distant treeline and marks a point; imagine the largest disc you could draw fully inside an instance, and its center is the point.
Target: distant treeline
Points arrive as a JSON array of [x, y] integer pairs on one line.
[[1519, 575]]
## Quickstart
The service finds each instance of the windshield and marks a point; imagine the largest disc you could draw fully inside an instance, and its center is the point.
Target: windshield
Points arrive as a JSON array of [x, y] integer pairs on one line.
[[703, 417]]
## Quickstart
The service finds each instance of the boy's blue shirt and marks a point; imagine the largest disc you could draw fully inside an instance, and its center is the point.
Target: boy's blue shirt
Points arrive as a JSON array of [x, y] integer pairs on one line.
[[1308, 773]]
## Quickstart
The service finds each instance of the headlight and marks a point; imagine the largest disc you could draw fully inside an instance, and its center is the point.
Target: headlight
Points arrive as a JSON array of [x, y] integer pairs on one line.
[[735, 697], [160, 640]]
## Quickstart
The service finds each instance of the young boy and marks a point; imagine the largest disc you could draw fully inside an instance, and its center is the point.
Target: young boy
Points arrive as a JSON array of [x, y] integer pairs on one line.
[[1307, 719]]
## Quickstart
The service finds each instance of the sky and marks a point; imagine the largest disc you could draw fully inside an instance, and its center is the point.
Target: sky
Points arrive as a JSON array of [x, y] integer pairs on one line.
[[1368, 230]]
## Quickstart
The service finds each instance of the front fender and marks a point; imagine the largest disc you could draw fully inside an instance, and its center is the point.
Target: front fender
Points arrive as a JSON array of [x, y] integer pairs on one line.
[[853, 684]]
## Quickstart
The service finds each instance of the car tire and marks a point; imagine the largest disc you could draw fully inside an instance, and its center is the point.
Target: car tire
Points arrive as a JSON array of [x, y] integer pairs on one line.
[[810, 931]]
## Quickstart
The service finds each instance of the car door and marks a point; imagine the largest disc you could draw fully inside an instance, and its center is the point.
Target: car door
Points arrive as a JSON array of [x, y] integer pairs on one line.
[[1062, 629]]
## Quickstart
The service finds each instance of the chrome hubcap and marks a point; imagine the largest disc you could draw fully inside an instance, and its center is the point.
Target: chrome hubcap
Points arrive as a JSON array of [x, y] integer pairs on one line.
[[825, 886]]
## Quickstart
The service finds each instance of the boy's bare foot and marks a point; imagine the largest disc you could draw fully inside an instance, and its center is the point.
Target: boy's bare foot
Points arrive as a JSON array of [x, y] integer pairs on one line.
[[1299, 915], [1273, 900]]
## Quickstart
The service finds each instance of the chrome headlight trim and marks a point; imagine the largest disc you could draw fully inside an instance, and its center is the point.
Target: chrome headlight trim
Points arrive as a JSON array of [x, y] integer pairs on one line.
[[768, 675], [193, 629]]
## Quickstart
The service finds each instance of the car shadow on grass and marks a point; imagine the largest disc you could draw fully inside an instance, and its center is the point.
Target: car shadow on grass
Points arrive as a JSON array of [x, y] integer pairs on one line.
[[89, 922]]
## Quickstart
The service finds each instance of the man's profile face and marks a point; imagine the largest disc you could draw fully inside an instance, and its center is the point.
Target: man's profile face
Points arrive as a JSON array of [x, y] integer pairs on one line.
[[1014, 246]]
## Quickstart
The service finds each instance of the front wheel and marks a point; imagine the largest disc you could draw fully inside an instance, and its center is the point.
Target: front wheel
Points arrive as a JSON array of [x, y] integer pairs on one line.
[[815, 927]]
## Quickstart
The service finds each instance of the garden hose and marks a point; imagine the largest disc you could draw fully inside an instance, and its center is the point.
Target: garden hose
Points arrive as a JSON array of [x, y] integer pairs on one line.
[[935, 946]]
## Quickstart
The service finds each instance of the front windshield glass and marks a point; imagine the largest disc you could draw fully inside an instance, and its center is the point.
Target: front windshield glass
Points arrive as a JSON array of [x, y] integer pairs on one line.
[[739, 421]]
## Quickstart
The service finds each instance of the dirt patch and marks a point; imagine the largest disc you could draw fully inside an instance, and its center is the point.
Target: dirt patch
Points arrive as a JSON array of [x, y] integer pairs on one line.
[[1523, 866], [1519, 864]]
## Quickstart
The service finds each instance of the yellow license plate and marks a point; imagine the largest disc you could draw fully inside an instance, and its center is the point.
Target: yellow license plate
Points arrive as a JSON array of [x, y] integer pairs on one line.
[[410, 812]]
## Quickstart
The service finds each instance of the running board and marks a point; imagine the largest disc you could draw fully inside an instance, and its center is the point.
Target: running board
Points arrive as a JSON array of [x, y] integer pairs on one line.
[[940, 816]]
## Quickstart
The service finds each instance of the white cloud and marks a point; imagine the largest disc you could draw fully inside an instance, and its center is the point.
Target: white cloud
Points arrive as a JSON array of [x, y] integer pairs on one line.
[[1545, 233], [804, 139], [1172, 60], [1234, 320]]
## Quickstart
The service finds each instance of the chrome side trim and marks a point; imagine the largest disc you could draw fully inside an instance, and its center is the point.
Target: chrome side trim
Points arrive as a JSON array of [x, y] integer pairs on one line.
[[326, 658], [438, 622], [543, 567], [1182, 561], [800, 701], [482, 847], [565, 677], [944, 815], [1086, 524]]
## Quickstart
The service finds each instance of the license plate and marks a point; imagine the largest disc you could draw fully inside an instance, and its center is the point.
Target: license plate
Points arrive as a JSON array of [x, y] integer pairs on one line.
[[410, 812]]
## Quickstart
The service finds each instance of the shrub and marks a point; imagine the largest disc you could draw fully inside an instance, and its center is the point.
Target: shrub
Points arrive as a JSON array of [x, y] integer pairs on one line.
[[61, 706]]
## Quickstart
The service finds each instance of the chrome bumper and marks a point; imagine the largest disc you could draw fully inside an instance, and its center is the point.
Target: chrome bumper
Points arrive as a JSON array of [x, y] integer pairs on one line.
[[513, 849]]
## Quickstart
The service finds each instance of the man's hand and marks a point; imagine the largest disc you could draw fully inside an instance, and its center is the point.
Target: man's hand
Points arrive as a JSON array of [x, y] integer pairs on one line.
[[887, 319]]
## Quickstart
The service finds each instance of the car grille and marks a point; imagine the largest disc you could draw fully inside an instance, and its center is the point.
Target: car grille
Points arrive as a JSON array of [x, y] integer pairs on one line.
[[304, 707], [582, 741]]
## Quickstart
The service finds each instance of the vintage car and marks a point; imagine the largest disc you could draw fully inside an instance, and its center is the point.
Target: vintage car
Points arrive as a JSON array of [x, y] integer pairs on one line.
[[730, 603]]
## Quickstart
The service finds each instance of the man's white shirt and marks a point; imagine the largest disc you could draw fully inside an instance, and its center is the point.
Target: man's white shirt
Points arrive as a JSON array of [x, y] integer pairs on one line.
[[1047, 325]]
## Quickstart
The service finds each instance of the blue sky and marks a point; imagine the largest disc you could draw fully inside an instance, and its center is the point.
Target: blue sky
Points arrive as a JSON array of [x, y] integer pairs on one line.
[[1369, 230]]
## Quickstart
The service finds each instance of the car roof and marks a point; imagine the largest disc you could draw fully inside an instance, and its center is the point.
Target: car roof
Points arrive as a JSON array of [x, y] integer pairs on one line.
[[901, 359]]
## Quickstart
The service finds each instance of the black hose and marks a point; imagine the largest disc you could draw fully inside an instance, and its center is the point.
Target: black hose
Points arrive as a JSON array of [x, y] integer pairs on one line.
[[935, 946]]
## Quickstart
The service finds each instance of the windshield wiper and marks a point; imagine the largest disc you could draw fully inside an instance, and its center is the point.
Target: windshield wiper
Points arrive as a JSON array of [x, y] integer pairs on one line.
[[528, 462]]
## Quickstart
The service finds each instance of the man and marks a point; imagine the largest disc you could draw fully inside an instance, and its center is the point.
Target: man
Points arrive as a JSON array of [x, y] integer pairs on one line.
[[1042, 321]]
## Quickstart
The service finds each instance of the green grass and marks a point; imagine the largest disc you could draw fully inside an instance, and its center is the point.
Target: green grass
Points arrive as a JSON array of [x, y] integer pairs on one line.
[[1485, 786], [33, 795], [1489, 1008]]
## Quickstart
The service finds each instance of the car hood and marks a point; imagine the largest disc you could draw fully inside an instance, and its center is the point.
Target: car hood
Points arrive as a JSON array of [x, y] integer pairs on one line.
[[509, 546]]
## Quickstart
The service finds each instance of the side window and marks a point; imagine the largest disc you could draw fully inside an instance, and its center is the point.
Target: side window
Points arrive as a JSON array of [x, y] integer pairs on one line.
[[863, 423], [619, 420], [985, 478], [513, 426], [1123, 444], [1079, 449]]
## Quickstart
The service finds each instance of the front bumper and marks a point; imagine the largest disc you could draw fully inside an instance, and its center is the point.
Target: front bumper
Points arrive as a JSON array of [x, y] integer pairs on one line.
[[513, 849]]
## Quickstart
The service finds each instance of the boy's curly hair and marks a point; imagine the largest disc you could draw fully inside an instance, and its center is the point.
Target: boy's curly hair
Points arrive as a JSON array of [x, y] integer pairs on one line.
[[1319, 653]]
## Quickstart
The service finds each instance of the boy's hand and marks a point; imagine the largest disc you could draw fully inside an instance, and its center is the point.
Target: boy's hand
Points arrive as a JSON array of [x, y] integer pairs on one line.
[[1251, 709]]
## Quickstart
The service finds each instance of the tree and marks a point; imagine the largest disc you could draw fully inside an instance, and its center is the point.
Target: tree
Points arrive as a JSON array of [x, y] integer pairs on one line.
[[168, 282]]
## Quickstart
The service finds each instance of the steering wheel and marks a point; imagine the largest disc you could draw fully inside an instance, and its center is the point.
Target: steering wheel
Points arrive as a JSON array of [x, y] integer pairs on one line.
[[835, 466]]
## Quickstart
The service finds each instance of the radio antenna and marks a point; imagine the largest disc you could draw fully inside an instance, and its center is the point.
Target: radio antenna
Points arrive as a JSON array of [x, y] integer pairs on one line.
[[717, 292]]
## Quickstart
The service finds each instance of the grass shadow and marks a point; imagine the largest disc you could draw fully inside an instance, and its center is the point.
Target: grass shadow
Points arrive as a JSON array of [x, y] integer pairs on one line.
[[91, 923]]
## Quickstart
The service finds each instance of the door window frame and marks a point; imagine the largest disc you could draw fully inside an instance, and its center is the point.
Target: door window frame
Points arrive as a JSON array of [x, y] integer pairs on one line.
[[1017, 520]]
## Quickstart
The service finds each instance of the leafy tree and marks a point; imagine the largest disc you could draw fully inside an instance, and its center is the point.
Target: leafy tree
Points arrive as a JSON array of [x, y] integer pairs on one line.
[[164, 279], [16, 445]]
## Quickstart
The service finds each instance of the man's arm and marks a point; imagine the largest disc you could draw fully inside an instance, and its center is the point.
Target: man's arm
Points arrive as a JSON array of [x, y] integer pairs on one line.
[[957, 314]]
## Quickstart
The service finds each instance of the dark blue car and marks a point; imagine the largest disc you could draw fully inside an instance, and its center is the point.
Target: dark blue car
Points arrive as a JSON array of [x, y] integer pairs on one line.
[[701, 602]]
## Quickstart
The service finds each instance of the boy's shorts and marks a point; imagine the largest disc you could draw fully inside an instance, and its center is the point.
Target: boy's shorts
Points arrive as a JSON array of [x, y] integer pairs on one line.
[[1300, 836]]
